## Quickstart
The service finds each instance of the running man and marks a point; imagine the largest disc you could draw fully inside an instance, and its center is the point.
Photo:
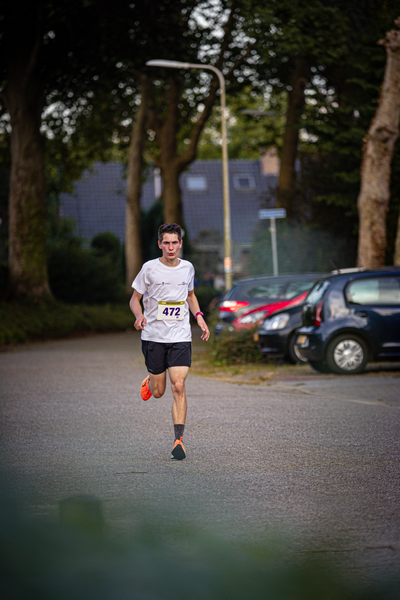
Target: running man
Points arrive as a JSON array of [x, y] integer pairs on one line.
[[167, 287]]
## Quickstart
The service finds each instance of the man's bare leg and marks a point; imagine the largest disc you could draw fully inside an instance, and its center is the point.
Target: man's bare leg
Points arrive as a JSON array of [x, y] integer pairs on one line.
[[153, 385], [158, 384], [177, 376]]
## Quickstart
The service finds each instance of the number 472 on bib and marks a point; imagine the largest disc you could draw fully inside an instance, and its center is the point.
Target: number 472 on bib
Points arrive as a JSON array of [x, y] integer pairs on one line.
[[170, 311]]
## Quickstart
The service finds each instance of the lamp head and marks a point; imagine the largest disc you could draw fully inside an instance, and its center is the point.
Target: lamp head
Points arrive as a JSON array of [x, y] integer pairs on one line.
[[174, 64]]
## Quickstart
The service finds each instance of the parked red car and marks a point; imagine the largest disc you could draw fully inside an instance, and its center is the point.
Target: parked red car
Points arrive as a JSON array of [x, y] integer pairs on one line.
[[257, 315], [250, 300]]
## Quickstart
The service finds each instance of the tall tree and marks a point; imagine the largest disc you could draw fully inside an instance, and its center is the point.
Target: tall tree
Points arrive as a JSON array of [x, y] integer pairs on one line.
[[46, 51], [182, 101], [177, 103], [338, 112], [133, 252], [373, 200], [24, 99], [296, 41]]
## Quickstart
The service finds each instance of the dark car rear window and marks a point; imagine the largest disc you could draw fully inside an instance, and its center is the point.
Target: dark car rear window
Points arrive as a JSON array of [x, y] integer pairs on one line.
[[374, 290], [232, 292]]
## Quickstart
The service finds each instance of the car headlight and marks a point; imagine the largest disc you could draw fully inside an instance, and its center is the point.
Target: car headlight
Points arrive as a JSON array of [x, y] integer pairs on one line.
[[276, 322], [255, 317]]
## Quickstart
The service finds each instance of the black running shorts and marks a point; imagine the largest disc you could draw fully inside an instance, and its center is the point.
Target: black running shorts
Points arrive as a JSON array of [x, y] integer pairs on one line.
[[160, 357]]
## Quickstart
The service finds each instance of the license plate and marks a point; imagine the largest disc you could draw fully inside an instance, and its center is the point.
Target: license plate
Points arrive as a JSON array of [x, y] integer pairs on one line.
[[302, 339]]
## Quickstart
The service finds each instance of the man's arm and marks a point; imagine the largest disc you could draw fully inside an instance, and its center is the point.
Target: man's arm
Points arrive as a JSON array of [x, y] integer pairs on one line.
[[136, 308], [195, 308]]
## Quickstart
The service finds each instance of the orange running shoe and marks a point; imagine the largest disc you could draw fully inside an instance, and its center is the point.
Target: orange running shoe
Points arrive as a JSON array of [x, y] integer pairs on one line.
[[144, 389], [178, 451]]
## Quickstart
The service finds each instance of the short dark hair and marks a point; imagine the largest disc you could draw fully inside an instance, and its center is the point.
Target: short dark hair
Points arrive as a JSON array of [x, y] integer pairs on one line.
[[169, 228]]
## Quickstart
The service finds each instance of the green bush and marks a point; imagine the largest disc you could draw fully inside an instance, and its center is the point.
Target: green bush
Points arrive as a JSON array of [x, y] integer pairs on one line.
[[234, 347], [206, 295], [21, 322], [108, 244], [83, 275], [4, 270], [78, 275]]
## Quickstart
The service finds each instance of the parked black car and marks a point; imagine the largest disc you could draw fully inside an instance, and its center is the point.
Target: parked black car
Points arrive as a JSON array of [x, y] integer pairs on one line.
[[351, 318], [250, 293], [276, 337]]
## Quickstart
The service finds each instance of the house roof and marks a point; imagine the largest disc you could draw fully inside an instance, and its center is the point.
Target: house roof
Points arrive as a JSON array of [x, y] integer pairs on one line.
[[97, 202]]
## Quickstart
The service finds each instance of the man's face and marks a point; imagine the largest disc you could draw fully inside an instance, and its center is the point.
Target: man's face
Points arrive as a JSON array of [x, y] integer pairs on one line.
[[170, 246]]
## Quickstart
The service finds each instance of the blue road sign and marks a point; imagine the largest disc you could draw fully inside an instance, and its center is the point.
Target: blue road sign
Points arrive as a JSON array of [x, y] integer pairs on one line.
[[272, 213]]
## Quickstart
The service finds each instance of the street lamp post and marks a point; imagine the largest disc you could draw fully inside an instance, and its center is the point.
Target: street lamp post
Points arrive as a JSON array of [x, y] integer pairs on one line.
[[174, 64]]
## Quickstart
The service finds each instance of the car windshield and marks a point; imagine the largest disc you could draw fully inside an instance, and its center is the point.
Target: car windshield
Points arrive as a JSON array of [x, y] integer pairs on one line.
[[295, 288], [266, 290]]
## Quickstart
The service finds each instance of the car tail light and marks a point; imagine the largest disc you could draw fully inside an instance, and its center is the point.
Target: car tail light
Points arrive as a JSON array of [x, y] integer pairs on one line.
[[232, 305], [251, 318], [318, 314]]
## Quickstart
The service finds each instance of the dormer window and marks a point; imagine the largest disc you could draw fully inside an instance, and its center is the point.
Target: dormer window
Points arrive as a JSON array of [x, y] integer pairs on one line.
[[243, 182], [196, 183]]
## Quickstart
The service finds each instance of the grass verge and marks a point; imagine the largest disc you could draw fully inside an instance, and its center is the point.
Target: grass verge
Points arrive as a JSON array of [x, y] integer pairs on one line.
[[258, 373]]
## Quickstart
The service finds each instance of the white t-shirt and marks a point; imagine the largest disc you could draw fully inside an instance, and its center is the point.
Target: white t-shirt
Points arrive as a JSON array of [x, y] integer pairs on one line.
[[159, 285]]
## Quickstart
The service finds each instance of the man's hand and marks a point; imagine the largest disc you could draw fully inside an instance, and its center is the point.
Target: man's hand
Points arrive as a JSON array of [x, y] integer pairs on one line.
[[140, 322], [135, 306], [203, 325]]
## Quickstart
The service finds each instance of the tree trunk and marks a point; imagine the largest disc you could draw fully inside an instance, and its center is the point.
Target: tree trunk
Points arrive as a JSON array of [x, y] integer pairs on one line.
[[171, 193], [373, 200], [170, 163], [133, 245], [287, 174], [27, 200]]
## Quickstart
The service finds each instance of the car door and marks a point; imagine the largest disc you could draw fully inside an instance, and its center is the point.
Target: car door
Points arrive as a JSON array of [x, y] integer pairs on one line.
[[375, 301]]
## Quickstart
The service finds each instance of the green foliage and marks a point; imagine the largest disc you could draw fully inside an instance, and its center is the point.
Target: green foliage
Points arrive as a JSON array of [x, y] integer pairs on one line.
[[22, 322], [236, 347], [300, 248], [4, 192], [79, 275], [248, 134], [206, 296], [4, 274], [61, 233], [107, 244]]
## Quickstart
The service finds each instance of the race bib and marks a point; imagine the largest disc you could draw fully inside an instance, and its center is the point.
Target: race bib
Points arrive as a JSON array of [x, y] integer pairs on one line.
[[170, 311]]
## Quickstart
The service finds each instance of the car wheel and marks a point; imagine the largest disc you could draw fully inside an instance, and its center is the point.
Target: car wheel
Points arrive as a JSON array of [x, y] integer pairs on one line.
[[319, 365], [293, 354], [347, 354]]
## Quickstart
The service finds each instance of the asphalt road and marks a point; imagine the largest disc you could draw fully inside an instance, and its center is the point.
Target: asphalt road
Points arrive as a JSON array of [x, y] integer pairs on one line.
[[314, 460]]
